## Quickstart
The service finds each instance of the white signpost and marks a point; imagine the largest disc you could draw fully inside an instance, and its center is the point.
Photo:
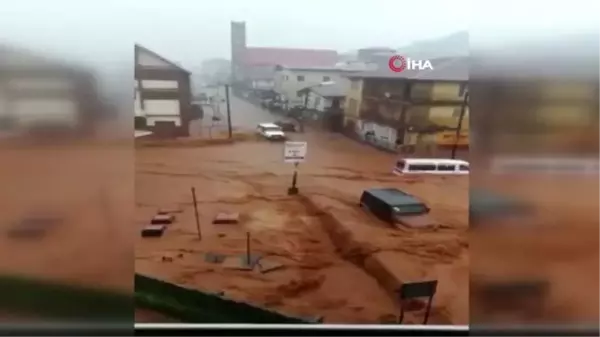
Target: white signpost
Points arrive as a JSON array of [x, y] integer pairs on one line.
[[294, 152]]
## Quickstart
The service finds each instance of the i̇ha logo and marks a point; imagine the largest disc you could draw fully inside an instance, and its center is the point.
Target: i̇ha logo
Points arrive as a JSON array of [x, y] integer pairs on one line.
[[398, 63]]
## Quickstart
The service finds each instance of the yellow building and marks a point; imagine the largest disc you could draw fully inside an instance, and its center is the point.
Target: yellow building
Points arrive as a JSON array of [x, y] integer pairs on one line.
[[411, 107]]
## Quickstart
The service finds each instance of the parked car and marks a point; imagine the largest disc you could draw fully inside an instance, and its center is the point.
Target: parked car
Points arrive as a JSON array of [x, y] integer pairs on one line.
[[286, 126], [396, 207], [270, 131]]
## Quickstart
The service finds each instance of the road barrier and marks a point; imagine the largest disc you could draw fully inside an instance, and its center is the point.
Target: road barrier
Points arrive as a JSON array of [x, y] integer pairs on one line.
[[48, 299], [195, 306], [45, 299]]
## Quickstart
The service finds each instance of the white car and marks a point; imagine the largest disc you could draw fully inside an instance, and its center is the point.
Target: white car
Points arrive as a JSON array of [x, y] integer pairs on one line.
[[270, 131]]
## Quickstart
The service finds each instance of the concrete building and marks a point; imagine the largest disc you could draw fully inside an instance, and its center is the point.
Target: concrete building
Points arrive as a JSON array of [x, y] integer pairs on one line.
[[323, 98], [254, 67], [162, 95], [411, 108], [290, 80]]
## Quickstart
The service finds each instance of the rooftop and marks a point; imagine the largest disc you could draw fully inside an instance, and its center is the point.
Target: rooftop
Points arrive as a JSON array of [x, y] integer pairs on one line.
[[139, 49], [444, 69], [290, 57], [435, 160], [334, 90], [332, 68], [393, 196]]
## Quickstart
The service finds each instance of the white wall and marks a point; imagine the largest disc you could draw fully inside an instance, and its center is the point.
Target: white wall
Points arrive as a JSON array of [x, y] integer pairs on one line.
[[163, 107], [145, 59], [159, 84], [383, 133], [286, 82]]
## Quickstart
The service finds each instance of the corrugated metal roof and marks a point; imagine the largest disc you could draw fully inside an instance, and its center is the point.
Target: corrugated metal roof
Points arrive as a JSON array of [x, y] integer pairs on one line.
[[290, 57]]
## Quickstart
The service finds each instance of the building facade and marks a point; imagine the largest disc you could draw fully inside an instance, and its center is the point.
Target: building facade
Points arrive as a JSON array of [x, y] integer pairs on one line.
[[409, 109], [324, 98], [162, 94]]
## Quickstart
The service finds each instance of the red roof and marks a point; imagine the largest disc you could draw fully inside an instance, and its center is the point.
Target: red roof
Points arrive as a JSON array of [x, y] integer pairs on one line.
[[291, 57]]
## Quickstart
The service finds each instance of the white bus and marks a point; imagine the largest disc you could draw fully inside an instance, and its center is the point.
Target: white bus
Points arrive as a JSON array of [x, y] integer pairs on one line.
[[431, 166]]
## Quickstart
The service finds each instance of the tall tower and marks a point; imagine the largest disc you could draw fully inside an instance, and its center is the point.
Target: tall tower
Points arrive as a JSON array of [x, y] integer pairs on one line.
[[238, 49]]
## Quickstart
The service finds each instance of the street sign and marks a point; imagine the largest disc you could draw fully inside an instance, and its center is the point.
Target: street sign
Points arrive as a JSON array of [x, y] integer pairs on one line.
[[294, 152]]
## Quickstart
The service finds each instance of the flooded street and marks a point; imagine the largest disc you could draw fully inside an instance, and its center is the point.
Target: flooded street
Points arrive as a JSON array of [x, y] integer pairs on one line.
[[343, 281]]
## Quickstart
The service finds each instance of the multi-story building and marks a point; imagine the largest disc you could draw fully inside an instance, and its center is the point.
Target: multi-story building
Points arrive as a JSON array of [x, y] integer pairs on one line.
[[291, 81], [162, 95], [410, 108]]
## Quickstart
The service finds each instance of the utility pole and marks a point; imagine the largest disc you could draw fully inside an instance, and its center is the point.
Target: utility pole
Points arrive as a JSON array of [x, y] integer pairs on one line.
[[196, 213], [463, 109], [228, 111]]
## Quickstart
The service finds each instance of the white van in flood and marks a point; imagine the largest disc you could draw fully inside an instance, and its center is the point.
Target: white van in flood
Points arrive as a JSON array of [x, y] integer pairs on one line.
[[431, 166]]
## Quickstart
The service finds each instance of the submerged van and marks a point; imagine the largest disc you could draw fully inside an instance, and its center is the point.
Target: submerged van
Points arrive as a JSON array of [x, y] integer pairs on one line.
[[431, 166], [396, 207]]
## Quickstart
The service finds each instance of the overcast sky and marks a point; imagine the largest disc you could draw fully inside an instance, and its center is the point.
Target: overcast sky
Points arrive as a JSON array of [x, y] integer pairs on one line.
[[191, 30], [188, 31]]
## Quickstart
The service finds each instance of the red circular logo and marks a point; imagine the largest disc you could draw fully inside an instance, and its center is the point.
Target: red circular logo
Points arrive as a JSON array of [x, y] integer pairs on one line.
[[397, 63]]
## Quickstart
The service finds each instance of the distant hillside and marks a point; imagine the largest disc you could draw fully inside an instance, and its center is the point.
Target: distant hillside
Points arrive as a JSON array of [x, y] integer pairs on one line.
[[453, 45]]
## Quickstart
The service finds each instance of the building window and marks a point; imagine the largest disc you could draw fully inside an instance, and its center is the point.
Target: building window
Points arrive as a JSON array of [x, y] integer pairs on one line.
[[300, 78], [326, 78]]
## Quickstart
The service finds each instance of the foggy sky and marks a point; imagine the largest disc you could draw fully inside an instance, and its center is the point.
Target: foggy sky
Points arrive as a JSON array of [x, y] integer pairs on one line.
[[188, 31]]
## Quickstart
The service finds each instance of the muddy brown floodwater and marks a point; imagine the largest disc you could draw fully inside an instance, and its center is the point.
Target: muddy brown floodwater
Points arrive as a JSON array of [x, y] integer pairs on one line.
[[338, 262]]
